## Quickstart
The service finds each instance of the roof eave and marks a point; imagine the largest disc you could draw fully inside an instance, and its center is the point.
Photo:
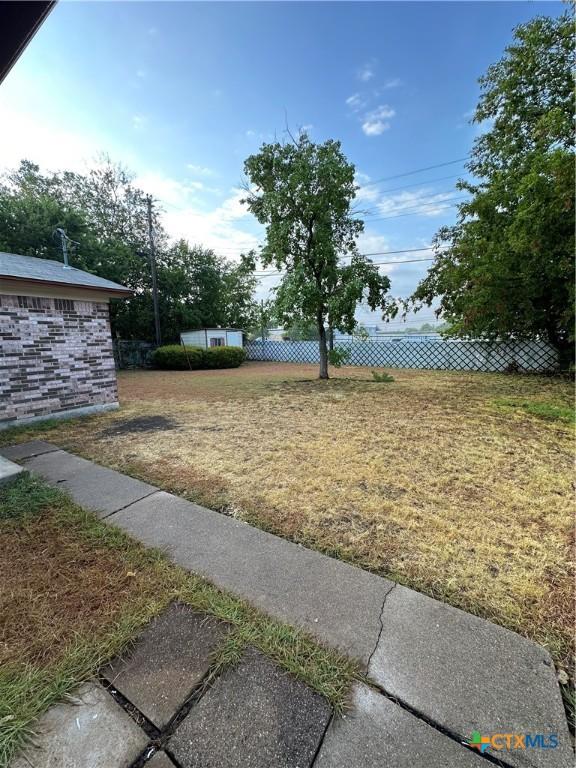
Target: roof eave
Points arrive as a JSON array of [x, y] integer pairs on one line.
[[120, 291]]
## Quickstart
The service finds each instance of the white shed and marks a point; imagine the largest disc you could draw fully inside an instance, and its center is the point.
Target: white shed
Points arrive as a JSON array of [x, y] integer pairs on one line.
[[212, 337]]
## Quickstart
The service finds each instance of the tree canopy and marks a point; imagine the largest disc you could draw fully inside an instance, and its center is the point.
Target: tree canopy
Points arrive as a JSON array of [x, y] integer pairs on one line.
[[302, 192], [105, 217], [505, 269]]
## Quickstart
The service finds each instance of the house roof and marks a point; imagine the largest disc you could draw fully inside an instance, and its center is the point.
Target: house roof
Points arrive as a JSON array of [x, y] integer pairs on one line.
[[34, 270]]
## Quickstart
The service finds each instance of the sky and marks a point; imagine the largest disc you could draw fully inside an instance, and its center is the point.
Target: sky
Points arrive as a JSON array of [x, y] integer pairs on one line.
[[182, 92]]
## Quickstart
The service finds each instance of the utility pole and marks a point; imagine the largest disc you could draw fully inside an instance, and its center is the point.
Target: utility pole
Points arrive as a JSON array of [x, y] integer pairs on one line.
[[153, 272], [262, 320], [64, 246]]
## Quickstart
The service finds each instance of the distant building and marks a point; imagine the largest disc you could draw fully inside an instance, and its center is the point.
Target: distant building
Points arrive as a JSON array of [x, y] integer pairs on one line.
[[56, 348], [213, 337]]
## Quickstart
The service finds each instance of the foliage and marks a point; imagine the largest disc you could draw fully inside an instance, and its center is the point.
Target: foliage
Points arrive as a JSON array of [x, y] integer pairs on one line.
[[303, 192], [301, 331], [176, 357], [223, 357], [338, 356], [506, 268], [382, 378], [104, 215]]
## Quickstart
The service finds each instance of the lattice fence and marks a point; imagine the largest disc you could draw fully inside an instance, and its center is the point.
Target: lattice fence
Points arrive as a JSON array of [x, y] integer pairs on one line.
[[453, 355]]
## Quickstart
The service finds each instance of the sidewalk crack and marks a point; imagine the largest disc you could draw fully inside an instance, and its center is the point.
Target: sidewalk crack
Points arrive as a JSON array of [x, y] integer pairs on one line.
[[381, 618], [121, 509]]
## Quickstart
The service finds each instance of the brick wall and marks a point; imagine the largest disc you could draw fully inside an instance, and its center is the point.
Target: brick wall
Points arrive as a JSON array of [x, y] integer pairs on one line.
[[55, 354]]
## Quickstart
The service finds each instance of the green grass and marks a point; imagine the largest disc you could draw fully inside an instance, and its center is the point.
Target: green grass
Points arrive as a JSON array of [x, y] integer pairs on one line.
[[28, 687], [555, 412]]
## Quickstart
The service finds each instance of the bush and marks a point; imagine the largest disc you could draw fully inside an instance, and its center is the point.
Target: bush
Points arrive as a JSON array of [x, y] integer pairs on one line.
[[382, 378], [338, 356], [224, 357], [174, 357]]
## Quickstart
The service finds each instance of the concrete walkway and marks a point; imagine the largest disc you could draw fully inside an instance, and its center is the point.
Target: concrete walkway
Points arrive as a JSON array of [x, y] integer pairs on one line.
[[440, 674]]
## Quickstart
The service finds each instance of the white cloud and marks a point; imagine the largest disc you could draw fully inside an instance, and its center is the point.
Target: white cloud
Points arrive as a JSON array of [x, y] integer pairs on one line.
[[367, 72], [225, 228], [139, 122], [200, 170], [355, 102], [376, 121], [393, 82], [421, 201]]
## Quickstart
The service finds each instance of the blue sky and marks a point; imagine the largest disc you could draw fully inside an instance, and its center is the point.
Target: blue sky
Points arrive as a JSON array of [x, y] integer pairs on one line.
[[183, 92]]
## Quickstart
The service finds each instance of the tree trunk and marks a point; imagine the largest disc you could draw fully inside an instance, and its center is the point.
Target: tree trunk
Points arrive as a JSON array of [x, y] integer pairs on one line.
[[330, 338], [323, 349]]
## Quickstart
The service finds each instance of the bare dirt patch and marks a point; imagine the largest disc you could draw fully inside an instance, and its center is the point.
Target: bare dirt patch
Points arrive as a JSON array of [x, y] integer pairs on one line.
[[139, 424]]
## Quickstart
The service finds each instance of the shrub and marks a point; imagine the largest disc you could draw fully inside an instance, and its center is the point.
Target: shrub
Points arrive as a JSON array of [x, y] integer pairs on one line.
[[174, 357], [338, 356], [382, 378], [224, 357]]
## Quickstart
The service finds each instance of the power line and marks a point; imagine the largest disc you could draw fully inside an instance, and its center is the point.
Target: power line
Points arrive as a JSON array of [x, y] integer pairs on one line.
[[376, 263], [416, 213], [416, 205], [417, 170], [417, 183]]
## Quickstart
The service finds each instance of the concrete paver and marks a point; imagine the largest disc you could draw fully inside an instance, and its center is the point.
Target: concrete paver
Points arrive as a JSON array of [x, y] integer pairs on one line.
[[27, 450], [255, 716], [336, 602], [94, 733], [96, 488], [169, 659], [376, 732], [469, 675], [9, 471]]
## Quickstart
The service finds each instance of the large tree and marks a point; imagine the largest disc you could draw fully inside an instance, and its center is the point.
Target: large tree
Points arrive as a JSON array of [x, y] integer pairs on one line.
[[505, 269], [105, 216], [303, 193]]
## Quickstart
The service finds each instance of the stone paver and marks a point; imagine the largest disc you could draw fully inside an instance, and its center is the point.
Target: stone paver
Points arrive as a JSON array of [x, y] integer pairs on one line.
[[27, 450], [338, 603], [94, 733], [255, 716], [96, 488], [159, 760], [169, 659], [376, 732], [469, 675], [9, 471]]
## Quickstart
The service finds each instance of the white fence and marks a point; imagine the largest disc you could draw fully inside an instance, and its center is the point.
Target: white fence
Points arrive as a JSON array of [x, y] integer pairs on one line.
[[451, 355]]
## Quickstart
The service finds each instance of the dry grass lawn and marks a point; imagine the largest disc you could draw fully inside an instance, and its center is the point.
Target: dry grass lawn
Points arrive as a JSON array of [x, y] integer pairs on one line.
[[76, 591], [457, 484]]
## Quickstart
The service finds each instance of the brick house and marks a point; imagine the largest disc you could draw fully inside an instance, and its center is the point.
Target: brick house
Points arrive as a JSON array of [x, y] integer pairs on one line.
[[55, 343]]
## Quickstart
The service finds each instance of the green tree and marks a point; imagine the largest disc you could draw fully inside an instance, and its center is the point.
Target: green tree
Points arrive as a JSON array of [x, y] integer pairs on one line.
[[302, 192], [105, 217], [505, 269]]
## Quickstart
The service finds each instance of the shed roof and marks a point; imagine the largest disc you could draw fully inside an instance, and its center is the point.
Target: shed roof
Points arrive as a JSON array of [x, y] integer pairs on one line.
[[211, 328], [35, 270]]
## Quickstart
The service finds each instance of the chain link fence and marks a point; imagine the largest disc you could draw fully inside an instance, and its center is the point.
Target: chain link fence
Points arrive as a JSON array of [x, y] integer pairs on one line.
[[133, 354], [440, 354]]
